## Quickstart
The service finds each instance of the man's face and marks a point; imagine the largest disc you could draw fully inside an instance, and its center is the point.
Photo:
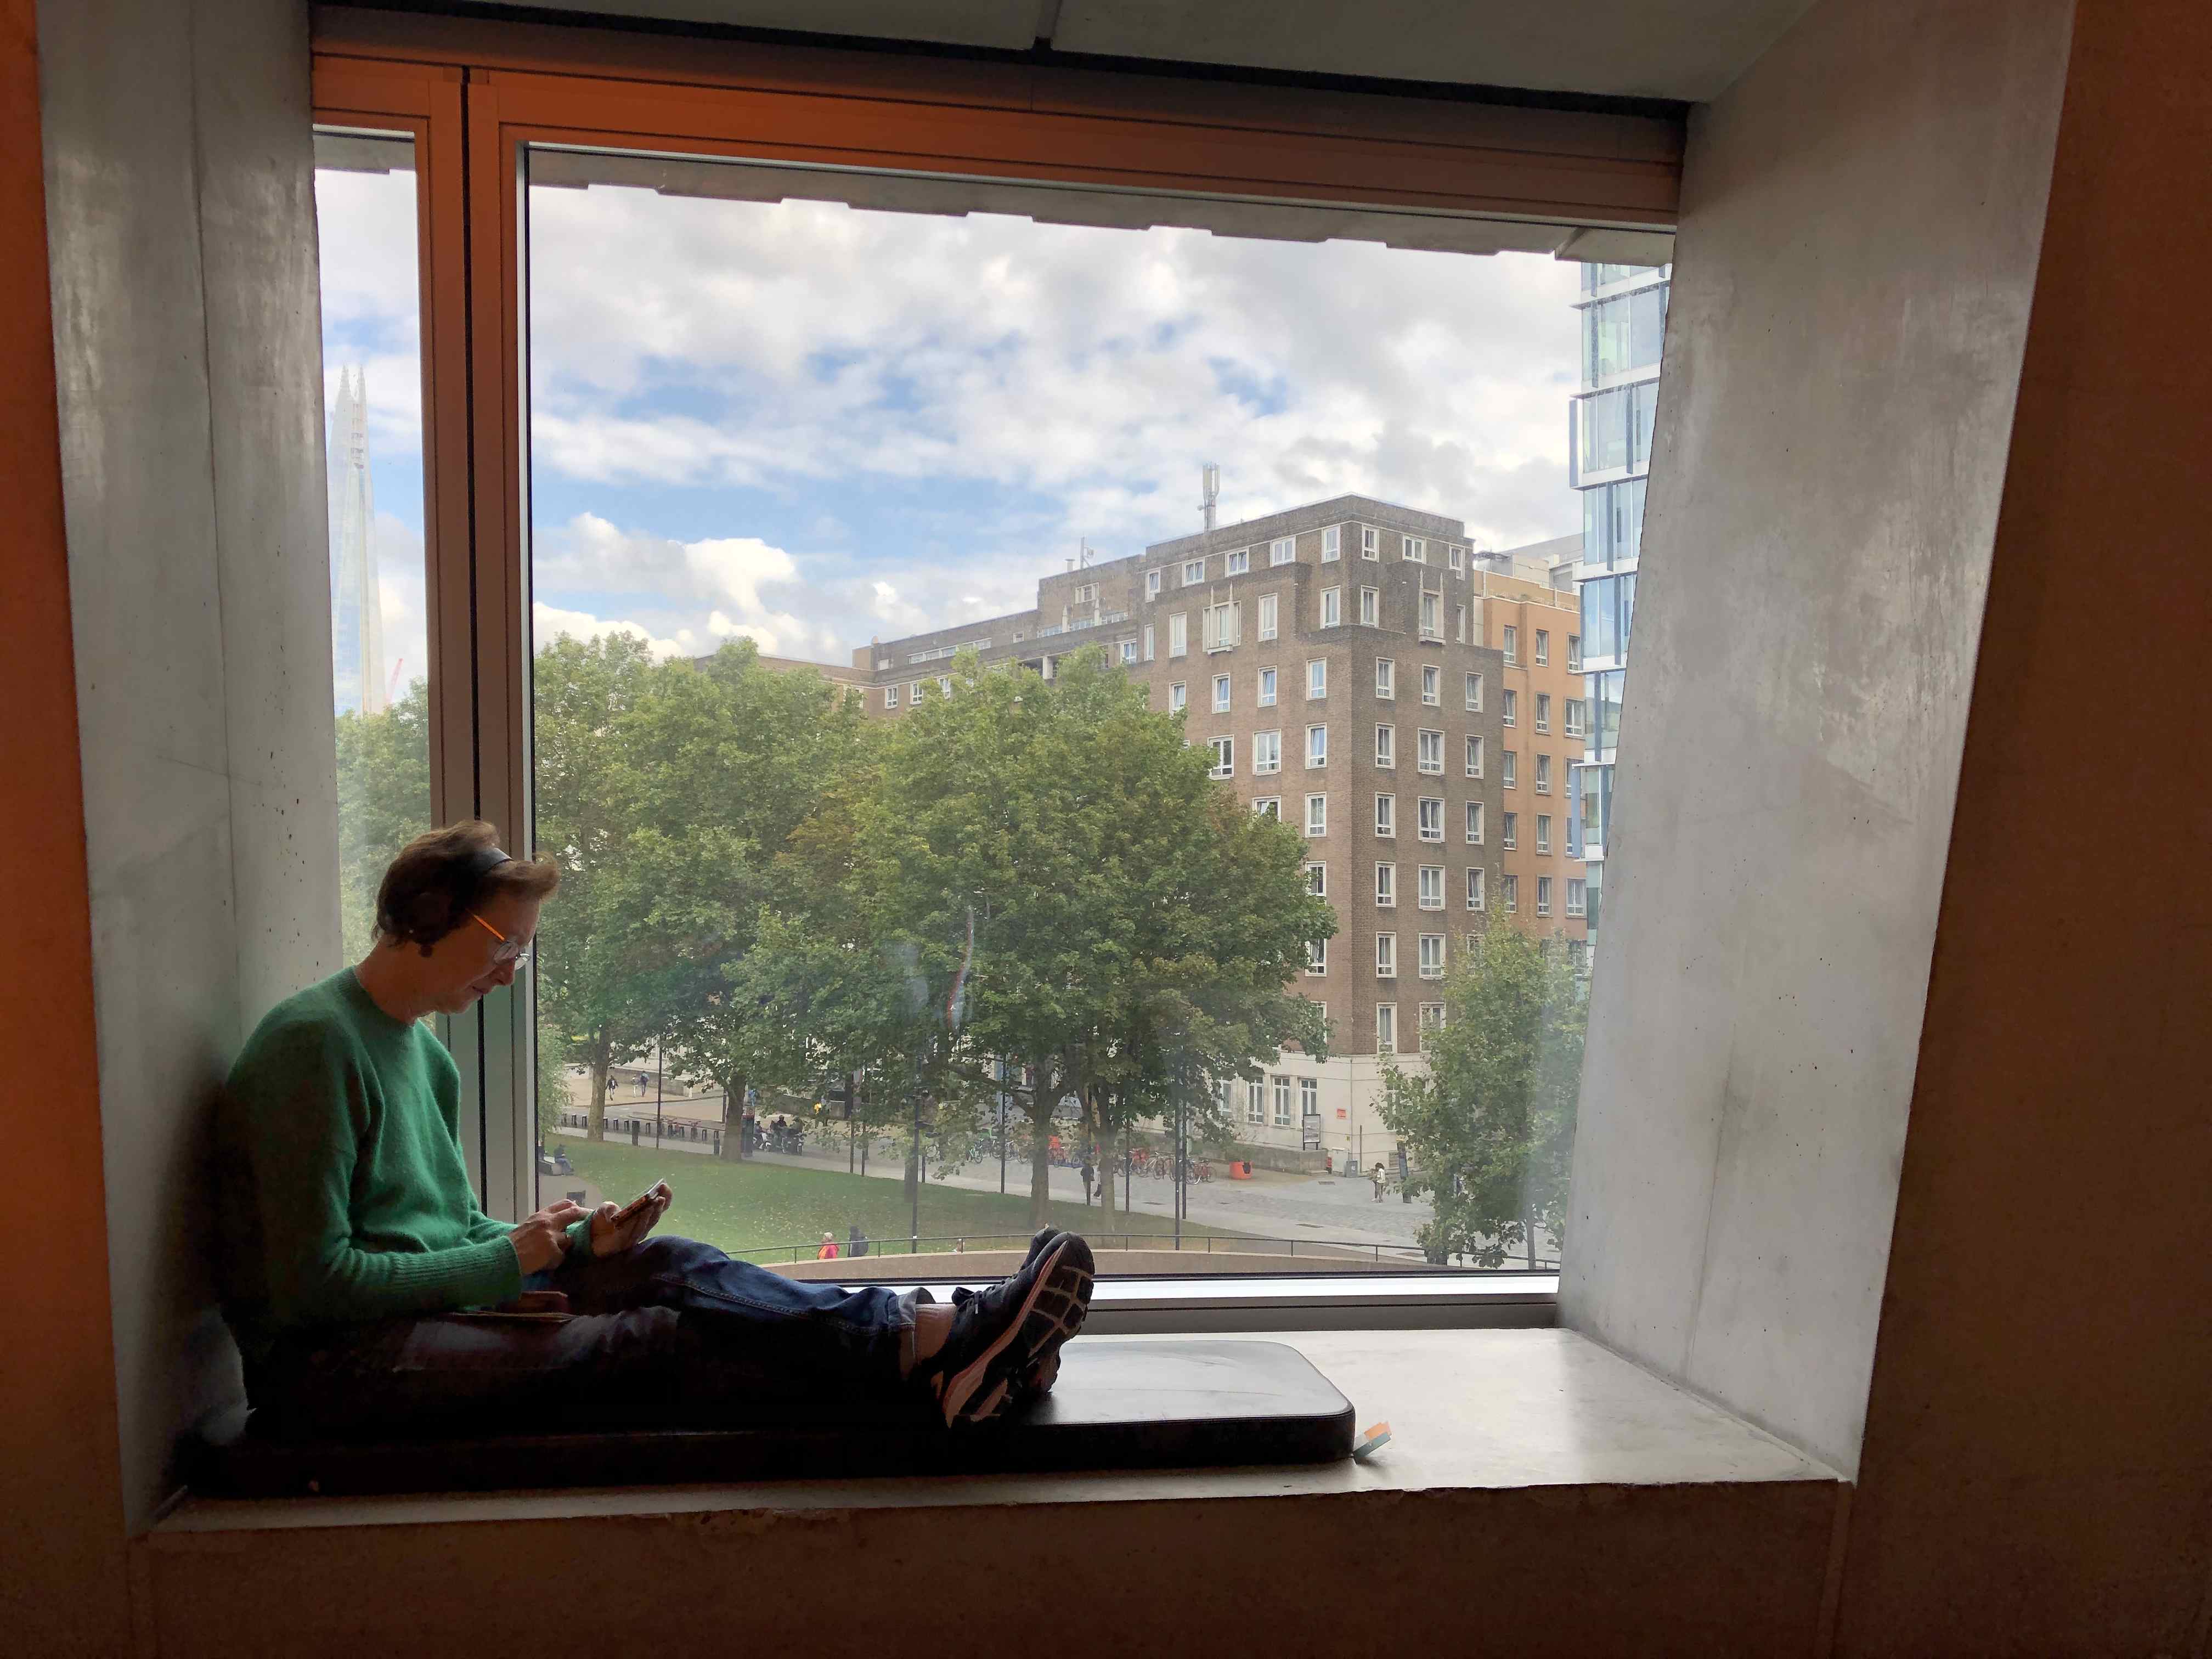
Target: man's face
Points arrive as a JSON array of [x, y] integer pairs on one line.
[[468, 961]]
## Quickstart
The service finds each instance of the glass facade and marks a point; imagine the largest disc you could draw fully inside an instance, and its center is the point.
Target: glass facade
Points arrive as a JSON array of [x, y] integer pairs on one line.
[[1612, 421]]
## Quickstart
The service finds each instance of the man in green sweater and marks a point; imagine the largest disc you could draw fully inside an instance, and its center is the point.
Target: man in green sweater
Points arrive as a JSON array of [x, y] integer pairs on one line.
[[358, 1267]]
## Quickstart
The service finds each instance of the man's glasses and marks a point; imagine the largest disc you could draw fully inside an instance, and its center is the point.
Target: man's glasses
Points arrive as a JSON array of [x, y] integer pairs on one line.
[[510, 950]]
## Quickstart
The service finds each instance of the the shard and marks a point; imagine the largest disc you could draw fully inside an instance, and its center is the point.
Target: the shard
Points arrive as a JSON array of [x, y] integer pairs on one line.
[[356, 614]]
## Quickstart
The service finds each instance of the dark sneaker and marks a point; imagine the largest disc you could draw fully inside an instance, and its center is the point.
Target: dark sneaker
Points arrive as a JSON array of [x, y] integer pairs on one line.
[[1004, 1347]]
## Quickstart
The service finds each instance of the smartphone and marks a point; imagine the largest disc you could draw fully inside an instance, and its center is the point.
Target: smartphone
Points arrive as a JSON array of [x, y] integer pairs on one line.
[[629, 1211]]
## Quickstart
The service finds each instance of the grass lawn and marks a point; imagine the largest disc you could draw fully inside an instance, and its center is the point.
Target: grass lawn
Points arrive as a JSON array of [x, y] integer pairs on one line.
[[759, 1212]]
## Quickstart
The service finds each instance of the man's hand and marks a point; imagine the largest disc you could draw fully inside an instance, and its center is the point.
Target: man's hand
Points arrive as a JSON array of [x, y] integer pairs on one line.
[[609, 1239], [542, 1241]]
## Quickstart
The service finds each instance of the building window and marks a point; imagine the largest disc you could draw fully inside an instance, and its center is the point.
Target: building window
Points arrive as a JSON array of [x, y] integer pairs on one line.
[[1371, 542], [1577, 895], [1281, 550], [1176, 697], [1430, 892], [1475, 887], [1543, 832], [1128, 650], [1386, 745], [1267, 688], [1474, 694], [1386, 886], [1267, 616], [1474, 757], [1152, 584], [1543, 775], [1221, 694], [1087, 595], [1386, 956], [1266, 753], [1459, 623], [1238, 563], [1429, 756], [1316, 815], [1512, 643], [1223, 626], [1308, 1096], [1509, 707], [944, 685], [1474, 822], [1432, 956], [1413, 548], [1316, 747], [1455, 556], [1432, 685], [1148, 641], [890, 697], [1282, 1091], [1178, 634], [913, 693], [1571, 709], [1543, 895], [1431, 817], [1316, 679], [1509, 830], [1332, 543], [1255, 1103], [1506, 769], [1332, 606], [1543, 711], [1508, 889], [1386, 679], [1574, 654], [1386, 1028], [1269, 807], [1432, 606], [1385, 815], [1317, 956], [1543, 647], [1371, 607], [1432, 1019], [1194, 573], [1225, 757], [1318, 880]]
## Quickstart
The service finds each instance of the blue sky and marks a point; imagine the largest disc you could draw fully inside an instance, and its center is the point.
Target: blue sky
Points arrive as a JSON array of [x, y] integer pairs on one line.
[[813, 425]]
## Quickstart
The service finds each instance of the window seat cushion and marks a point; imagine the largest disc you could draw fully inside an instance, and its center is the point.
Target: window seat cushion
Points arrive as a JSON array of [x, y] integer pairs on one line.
[[1123, 1405]]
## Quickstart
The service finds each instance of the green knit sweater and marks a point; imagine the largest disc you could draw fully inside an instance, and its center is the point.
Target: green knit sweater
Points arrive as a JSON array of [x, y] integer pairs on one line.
[[343, 1195]]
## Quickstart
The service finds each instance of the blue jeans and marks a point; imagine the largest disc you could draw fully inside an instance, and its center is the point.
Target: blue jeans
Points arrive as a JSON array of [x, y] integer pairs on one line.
[[670, 1334]]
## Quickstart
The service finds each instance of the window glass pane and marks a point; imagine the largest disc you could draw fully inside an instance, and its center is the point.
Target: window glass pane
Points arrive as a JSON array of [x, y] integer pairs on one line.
[[366, 213], [783, 452]]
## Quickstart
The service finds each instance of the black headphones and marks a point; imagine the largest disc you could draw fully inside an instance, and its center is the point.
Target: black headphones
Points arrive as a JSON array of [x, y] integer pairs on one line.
[[484, 861]]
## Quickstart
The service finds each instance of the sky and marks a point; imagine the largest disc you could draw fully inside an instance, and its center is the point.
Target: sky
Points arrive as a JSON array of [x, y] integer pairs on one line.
[[812, 425]]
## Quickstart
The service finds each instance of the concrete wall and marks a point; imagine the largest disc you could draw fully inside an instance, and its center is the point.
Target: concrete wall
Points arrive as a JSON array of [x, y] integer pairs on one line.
[[1858, 245], [186, 341]]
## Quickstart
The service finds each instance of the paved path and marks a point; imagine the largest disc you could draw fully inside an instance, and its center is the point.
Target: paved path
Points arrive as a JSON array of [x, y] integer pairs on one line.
[[1272, 1204]]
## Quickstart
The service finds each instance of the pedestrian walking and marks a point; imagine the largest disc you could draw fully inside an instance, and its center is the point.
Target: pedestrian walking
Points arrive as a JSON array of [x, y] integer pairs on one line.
[[829, 1250], [1381, 1178]]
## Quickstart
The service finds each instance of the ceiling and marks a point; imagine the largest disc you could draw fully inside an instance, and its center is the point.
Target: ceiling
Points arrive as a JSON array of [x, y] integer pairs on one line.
[[1688, 50]]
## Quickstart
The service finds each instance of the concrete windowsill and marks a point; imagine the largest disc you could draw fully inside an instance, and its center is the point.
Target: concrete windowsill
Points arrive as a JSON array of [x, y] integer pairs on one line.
[[1469, 1410]]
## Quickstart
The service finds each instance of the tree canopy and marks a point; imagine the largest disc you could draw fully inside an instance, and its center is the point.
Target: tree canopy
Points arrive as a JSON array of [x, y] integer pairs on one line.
[[1489, 1125]]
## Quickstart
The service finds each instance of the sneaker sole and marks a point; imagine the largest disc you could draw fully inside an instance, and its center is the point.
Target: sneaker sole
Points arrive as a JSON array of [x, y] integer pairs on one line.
[[1053, 1311]]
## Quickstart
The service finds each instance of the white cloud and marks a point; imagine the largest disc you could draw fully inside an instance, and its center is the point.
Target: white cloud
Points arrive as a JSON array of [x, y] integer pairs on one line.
[[1093, 367], [550, 622]]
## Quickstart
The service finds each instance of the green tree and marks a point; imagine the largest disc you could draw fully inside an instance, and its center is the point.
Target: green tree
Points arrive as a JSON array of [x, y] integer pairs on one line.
[[1489, 1124], [384, 802], [1132, 923]]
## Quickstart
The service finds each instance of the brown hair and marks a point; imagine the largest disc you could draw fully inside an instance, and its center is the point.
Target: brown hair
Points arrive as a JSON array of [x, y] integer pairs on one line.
[[440, 876]]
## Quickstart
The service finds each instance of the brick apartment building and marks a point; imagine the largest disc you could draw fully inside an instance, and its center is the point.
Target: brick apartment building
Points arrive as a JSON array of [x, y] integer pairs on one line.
[[1358, 669]]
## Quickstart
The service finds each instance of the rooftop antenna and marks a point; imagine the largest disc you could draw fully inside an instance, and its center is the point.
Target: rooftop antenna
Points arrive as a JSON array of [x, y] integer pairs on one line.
[[1083, 554], [1209, 482]]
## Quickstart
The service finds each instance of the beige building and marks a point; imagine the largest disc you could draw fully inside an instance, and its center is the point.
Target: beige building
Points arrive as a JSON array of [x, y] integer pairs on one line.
[[1344, 664]]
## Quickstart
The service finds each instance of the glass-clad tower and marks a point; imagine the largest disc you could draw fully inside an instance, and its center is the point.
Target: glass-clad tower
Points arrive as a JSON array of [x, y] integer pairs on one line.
[[1623, 317]]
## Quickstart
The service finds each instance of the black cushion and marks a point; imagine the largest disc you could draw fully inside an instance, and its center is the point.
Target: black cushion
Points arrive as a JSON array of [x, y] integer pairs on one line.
[[1116, 1406]]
